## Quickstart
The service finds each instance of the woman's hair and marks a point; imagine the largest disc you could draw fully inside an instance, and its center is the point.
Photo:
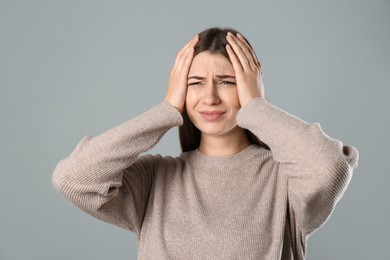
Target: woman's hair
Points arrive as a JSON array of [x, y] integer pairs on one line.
[[212, 40]]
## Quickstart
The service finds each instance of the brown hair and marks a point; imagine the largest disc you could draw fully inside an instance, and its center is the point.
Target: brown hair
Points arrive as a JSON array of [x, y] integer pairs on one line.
[[212, 40]]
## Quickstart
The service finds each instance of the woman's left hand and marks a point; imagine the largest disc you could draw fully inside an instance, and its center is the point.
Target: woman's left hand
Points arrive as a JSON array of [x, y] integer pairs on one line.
[[247, 68]]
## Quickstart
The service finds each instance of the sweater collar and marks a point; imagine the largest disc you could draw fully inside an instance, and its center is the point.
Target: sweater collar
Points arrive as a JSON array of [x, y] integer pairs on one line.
[[198, 159]]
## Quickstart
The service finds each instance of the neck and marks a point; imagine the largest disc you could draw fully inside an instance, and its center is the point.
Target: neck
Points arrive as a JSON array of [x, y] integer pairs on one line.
[[229, 144]]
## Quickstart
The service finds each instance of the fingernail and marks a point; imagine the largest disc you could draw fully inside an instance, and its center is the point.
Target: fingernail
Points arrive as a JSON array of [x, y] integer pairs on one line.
[[229, 33]]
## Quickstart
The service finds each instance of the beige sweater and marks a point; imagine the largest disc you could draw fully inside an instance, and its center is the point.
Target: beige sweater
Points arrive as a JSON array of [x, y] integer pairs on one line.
[[257, 204]]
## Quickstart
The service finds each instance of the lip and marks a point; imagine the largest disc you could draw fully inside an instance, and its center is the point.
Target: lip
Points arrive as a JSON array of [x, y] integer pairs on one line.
[[211, 115]]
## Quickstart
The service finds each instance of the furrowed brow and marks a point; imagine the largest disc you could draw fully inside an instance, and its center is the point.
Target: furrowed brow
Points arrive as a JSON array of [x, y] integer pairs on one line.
[[225, 76], [196, 77]]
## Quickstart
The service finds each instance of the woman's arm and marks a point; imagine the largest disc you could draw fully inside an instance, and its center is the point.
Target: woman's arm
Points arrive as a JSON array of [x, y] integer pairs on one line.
[[104, 176], [318, 167]]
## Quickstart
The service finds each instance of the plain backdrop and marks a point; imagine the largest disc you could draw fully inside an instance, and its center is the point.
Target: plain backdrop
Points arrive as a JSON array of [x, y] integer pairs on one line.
[[71, 68]]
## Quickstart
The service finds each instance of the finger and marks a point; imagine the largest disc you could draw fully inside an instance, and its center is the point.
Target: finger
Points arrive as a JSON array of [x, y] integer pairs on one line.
[[186, 57], [234, 59], [189, 43], [256, 61], [184, 62], [252, 52], [241, 51], [243, 44], [185, 48], [188, 47]]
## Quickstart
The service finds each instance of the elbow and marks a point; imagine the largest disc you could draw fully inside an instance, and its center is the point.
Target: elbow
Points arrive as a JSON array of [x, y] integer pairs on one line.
[[342, 164], [329, 149], [334, 173], [333, 151], [351, 156], [58, 178], [64, 179], [67, 169], [336, 177]]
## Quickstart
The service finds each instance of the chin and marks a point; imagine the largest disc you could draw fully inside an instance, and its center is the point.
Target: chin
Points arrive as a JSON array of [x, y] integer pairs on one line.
[[214, 131]]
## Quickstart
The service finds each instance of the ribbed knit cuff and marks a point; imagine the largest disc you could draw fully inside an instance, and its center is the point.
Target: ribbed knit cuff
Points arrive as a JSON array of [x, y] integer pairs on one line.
[[171, 110]]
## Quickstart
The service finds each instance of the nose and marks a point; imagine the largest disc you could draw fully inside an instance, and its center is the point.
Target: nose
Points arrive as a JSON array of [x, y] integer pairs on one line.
[[211, 96]]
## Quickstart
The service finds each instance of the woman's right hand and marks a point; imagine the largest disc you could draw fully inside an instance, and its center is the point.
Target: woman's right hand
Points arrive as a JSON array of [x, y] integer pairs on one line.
[[177, 88]]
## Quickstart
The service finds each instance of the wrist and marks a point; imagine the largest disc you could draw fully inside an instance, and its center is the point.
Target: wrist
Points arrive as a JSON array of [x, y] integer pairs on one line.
[[178, 107], [246, 99]]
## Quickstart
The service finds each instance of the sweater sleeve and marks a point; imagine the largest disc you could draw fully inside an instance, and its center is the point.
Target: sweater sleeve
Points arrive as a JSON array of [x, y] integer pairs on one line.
[[318, 167], [106, 177]]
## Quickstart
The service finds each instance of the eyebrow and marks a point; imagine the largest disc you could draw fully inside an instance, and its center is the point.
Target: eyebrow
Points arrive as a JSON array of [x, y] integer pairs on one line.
[[217, 76]]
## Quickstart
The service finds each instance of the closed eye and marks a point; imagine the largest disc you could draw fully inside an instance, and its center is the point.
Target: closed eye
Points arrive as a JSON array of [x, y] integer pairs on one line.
[[222, 82], [195, 83], [225, 82]]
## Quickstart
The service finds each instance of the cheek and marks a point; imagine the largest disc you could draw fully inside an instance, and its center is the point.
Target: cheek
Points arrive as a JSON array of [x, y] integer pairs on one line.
[[190, 98], [231, 98], [190, 105]]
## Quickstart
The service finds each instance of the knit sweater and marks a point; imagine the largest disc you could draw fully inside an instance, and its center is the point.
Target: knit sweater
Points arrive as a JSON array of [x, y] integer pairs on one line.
[[256, 204]]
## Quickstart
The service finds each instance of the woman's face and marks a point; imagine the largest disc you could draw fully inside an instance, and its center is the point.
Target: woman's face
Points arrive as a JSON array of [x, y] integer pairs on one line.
[[212, 100]]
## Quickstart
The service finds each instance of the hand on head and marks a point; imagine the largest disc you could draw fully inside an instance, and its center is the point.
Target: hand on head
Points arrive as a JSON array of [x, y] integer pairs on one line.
[[248, 71], [247, 68], [177, 87]]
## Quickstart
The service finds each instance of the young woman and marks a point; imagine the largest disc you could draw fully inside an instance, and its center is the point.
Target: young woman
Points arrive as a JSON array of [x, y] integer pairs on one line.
[[252, 182]]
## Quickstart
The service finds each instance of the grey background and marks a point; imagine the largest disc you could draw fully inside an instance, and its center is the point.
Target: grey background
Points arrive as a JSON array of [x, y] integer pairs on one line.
[[71, 68]]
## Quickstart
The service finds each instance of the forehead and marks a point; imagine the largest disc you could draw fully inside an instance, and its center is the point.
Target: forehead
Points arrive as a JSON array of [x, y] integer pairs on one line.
[[210, 63]]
